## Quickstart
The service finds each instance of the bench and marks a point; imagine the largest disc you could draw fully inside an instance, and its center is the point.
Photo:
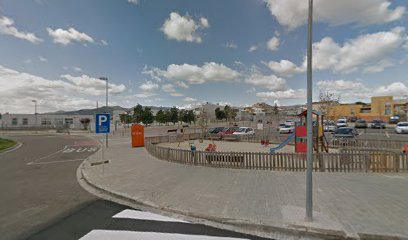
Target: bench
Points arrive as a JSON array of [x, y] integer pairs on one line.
[[172, 130]]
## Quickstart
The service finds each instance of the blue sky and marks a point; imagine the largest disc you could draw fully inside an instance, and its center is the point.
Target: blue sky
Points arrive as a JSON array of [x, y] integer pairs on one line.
[[182, 52]]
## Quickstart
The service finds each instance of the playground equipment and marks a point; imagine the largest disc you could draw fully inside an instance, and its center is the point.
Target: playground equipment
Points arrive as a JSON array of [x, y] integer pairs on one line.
[[284, 143], [320, 142]]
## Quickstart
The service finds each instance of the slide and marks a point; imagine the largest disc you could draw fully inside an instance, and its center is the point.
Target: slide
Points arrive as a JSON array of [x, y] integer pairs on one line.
[[284, 143]]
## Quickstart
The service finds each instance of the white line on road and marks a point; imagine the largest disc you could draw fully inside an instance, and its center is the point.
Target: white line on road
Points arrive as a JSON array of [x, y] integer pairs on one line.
[[129, 235], [51, 162], [47, 156], [134, 214], [387, 134]]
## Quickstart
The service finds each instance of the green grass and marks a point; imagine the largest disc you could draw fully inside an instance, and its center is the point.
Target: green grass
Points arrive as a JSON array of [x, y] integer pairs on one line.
[[6, 143]]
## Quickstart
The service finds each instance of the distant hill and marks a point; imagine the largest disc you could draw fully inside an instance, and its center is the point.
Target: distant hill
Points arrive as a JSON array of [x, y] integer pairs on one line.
[[101, 110]]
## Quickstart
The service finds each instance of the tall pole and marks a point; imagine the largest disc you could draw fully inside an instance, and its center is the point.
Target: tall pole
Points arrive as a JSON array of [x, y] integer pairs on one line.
[[106, 106], [35, 111], [309, 182]]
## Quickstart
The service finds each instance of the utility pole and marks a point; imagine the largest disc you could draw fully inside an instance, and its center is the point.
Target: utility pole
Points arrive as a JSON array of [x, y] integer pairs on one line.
[[309, 120], [106, 106]]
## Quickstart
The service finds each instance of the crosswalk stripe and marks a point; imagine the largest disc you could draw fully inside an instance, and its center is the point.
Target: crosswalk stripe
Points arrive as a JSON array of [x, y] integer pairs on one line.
[[134, 214], [129, 235]]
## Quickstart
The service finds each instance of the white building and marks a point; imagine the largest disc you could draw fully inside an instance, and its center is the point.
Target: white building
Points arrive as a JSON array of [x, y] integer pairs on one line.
[[46, 121]]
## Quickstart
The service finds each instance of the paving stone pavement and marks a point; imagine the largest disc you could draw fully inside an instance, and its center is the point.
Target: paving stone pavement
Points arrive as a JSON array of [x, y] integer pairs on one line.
[[356, 204]]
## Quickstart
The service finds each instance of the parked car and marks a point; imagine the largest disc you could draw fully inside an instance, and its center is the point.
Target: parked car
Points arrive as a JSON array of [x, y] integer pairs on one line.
[[402, 127], [245, 131], [341, 123], [215, 130], [280, 126], [329, 126], [353, 119], [377, 124], [227, 131], [394, 119], [287, 129], [361, 123], [345, 132]]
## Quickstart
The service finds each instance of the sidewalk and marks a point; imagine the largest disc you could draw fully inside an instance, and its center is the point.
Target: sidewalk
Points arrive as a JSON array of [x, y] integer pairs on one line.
[[352, 205]]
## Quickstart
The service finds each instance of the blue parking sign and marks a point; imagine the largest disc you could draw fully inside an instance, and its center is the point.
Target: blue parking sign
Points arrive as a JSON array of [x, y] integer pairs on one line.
[[102, 123]]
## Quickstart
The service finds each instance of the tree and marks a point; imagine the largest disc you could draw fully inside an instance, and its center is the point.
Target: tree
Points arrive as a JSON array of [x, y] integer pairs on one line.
[[275, 110], [85, 122], [147, 116], [125, 118], [161, 116], [328, 101], [219, 114], [182, 115], [138, 113], [229, 113], [173, 117], [191, 117]]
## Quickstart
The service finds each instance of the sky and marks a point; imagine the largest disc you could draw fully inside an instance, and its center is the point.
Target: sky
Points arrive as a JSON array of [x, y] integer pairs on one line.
[[183, 53]]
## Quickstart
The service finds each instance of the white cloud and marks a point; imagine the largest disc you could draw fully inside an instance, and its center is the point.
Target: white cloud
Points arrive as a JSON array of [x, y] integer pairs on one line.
[[273, 44], [42, 59], [193, 74], [65, 37], [181, 84], [135, 2], [204, 22], [396, 89], [104, 42], [347, 89], [252, 48], [293, 13], [183, 28], [189, 99], [77, 69], [145, 95], [364, 51], [176, 94], [7, 28], [369, 53], [149, 86], [286, 94], [67, 93], [285, 68], [169, 88], [93, 86], [270, 82], [231, 45]]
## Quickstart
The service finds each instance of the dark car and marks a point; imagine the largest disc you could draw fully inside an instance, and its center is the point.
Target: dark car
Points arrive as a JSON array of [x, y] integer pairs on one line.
[[361, 123], [377, 124], [215, 130], [353, 119], [345, 132]]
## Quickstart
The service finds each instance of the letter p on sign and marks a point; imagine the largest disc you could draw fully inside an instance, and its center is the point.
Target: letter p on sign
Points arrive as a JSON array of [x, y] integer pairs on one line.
[[102, 123]]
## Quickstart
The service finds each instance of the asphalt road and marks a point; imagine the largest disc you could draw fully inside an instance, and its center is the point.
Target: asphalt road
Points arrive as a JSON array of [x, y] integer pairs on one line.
[[41, 199], [38, 183]]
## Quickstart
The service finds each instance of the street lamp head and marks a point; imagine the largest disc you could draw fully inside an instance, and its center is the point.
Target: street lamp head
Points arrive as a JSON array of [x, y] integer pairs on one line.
[[34, 101], [103, 78]]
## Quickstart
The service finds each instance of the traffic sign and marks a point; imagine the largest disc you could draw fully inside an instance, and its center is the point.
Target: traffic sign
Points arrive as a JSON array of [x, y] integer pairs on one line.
[[102, 123]]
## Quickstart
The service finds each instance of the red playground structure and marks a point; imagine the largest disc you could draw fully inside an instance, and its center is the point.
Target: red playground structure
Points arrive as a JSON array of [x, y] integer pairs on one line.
[[320, 142]]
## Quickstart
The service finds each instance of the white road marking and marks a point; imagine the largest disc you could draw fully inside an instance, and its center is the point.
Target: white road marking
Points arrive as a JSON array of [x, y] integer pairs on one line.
[[129, 235], [395, 177], [387, 134], [51, 162], [134, 214]]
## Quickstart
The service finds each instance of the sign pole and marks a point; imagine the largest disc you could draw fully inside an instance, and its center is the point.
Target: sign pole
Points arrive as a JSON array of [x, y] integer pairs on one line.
[[309, 120]]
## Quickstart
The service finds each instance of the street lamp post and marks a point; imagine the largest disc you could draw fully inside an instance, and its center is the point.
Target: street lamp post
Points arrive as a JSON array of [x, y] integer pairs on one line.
[[35, 111], [106, 106], [309, 182]]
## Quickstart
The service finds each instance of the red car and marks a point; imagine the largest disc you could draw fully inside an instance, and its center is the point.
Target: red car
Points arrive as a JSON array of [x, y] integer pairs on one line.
[[227, 131]]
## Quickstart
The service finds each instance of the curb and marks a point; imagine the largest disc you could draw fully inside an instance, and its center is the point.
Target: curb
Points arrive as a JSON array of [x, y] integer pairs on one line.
[[284, 231], [12, 149]]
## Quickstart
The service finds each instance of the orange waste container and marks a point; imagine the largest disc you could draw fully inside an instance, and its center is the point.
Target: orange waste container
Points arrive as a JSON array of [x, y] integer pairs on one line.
[[137, 135]]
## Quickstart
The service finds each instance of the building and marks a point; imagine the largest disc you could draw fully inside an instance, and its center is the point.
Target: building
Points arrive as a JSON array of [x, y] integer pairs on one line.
[[381, 107], [47, 121]]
